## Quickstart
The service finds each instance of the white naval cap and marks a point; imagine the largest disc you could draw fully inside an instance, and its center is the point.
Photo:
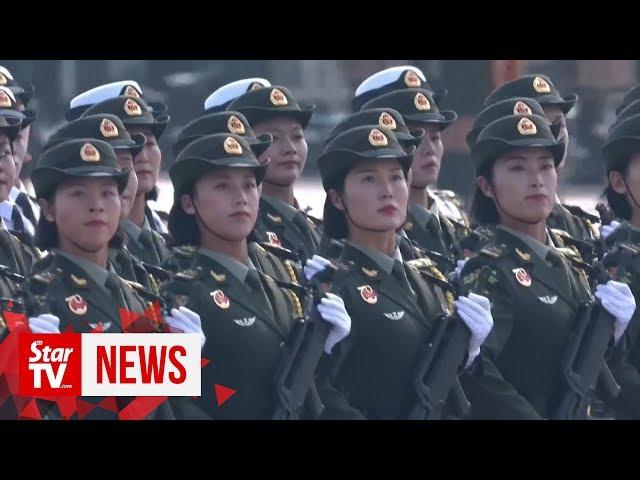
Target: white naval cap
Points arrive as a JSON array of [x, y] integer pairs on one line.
[[5, 72], [388, 76], [229, 92], [105, 92], [9, 93]]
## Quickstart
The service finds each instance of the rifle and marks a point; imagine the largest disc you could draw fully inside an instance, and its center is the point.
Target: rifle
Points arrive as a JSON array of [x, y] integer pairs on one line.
[[296, 372], [583, 364], [436, 375]]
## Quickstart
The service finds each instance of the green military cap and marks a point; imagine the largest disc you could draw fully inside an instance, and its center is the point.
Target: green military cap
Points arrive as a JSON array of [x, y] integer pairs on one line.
[[415, 105], [133, 112], [10, 126], [623, 141], [209, 152], [536, 86], [221, 122], [269, 102], [9, 108], [82, 157], [381, 117], [357, 144], [630, 110], [512, 132], [631, 96], [511, 106], [101, 127]]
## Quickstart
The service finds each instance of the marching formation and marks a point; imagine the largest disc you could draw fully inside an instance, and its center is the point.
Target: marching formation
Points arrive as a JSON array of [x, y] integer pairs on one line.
[[398, 304]]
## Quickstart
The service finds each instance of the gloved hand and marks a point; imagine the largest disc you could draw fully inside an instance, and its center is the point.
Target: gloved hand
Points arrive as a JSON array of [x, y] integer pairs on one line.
[[44, 323], [618, 300], [607, 230], [453, 276], [314, 265], [475, 312], [183, 320], [332, 310]]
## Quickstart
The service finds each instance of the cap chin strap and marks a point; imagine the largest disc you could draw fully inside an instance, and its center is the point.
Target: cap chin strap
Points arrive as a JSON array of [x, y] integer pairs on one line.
[[629, 191], [346, 211], [205, 223]]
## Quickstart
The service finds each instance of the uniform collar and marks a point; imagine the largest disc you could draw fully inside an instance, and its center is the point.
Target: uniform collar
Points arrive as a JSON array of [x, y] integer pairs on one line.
[[95, 272], [283, 208], [13, 194], [133, 230], [539, 249], [422, 215], [435, 208], [385, 262], [235, 268]]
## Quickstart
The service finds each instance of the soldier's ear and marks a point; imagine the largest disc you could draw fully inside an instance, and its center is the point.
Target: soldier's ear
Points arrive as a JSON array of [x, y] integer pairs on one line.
[[485, 187], [617, 182], [187, 204], [48, 210], [336, 201]]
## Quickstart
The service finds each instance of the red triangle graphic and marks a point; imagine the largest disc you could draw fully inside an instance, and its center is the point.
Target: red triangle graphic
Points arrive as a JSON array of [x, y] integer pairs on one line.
[[31, 411], [223, 393], [204, 362], [110, 404], [84, 408]]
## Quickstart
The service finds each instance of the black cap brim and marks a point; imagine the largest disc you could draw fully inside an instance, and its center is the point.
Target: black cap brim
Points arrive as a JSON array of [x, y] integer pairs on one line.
[[135, 145], [492, 148], [619, 150], [564, 103], [413, 138], [347, 159], [442, 119], [256, 115], [185, 172], [45, 179], [157, 127]]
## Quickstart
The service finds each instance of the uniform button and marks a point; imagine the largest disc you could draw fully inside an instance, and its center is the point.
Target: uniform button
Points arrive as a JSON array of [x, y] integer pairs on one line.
[[281, 344]]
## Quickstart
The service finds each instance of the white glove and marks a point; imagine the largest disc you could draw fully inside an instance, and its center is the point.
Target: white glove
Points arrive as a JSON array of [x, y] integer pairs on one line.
[[475, 312], [332, 310], [456, 272], [45, 323], [607, 230], [184, 320], [617, 299], [315, 265]]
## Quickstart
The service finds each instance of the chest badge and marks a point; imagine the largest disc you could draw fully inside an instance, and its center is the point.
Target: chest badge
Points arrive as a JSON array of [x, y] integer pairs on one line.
[[522, 277]]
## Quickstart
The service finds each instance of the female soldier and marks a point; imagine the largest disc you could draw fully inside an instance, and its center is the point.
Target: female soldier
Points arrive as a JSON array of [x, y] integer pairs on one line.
[[428, 222], [78, 183], [276, 261], [622, 155], [394, 307], [536, 295], [273, 110], [249, 318], [145, 243], [110, 129]]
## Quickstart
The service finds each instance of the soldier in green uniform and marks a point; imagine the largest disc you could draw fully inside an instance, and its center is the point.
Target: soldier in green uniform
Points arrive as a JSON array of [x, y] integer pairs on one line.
[[427, 223], [276, 261], [391, 119], [536, 290], [14, 254], [126, 88], [523, 106], [622, 156], [393, 304], [110, 129], [78, 183], [572, 219], [273, 110], [145, 243], [248, 317]]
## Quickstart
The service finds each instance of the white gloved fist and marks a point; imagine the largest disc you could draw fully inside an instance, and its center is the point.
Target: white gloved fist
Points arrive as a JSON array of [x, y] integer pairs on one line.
[[332, 310], [618, 300], [607, 230], [184, 320], [315, 265], [44, 323], [475, 312]]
